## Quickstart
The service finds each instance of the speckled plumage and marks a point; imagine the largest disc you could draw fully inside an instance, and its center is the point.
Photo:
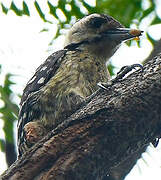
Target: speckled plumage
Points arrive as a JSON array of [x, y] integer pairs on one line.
[[68, 76]]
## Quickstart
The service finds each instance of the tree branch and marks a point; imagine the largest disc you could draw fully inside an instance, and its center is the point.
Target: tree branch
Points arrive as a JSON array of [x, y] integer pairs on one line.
[[104, 132]]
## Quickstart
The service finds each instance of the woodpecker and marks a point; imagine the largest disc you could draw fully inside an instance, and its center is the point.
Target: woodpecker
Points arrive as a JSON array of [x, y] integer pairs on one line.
[[69, 76]]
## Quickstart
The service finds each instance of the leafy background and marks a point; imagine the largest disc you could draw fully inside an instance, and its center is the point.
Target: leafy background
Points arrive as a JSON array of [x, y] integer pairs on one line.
[[64, 13]]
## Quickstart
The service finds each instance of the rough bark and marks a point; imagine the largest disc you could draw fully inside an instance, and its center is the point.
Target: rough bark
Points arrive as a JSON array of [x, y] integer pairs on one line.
[[123, 168], [107, 130], [119, 172]]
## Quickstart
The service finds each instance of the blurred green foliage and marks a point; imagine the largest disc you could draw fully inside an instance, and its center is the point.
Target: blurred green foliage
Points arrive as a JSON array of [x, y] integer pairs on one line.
[[126, 11], [8, 114], [9, 109]]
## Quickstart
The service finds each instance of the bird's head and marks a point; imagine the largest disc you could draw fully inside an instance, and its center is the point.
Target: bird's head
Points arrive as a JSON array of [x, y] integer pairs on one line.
[[99, 34]]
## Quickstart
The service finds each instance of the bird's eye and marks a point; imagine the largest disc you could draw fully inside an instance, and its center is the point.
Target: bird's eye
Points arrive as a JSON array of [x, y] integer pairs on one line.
[[97, 22]]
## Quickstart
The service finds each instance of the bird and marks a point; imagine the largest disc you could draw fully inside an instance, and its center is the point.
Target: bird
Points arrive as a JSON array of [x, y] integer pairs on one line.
[[68, 76]]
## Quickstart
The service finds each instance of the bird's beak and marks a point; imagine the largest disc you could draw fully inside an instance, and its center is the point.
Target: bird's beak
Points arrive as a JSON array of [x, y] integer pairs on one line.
[[123, 34]]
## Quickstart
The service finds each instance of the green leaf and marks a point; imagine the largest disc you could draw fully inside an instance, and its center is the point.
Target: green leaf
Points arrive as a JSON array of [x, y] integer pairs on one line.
[[25, 9], [15, 9], [61, 5], [44, 30], [6, 96], [156, 20], [150, 38], [52, 10], [9, 110], [75, 11], [111, 69], [4, 9], [41, 14], [88, 7], [2, 145], [147, 12]]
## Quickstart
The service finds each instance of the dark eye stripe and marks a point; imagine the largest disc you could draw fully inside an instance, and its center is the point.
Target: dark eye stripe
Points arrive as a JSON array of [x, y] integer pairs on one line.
[[96, 22]]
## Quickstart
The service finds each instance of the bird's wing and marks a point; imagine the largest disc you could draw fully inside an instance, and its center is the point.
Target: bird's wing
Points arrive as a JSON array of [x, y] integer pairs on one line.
[[42, 75]]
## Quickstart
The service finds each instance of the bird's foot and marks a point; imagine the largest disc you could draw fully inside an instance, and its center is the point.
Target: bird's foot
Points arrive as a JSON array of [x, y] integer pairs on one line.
[[123, 71], [155, 142], [34, 131]]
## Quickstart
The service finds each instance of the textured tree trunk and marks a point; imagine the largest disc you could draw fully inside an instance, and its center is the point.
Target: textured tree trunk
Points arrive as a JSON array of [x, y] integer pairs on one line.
[[109, 128]]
